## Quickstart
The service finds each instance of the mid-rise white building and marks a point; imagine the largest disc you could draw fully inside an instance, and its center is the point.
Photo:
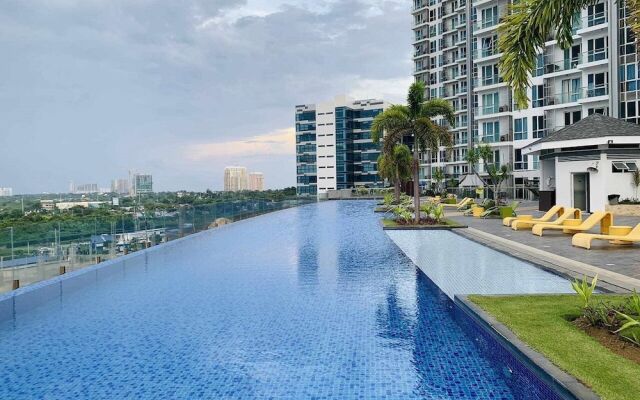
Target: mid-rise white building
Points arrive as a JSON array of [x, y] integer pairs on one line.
[[235, 179], [6, 192], [334, 149], [256, 181], [456, 55]]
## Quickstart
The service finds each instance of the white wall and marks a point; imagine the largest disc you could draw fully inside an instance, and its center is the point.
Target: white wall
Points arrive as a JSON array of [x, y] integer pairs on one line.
[[326, 146], [602, 183]]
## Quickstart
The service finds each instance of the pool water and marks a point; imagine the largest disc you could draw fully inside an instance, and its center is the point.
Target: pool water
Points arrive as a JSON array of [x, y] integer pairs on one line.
[[314, 302]]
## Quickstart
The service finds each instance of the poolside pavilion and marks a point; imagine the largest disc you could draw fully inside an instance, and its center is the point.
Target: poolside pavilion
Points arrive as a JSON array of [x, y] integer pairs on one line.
[[588, 164]]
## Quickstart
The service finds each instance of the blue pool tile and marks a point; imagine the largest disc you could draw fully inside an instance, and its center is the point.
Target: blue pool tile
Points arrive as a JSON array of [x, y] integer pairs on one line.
[[77, 280], [44, 293], [6, 308], [309, 303]]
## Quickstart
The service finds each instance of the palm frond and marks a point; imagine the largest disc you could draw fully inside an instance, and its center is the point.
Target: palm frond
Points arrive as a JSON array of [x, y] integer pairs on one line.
[[392, 119], [415, 98], [438, 108], [523, 33]]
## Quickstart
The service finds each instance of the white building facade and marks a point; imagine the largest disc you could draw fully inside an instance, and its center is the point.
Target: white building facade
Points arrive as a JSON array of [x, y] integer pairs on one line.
[[235, 179], [256, 181], [6, 192], [456, 55], [589, 164], [334, 148]]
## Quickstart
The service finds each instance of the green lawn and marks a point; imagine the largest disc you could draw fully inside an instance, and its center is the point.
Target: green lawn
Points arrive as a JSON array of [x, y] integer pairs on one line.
[[543, 322]]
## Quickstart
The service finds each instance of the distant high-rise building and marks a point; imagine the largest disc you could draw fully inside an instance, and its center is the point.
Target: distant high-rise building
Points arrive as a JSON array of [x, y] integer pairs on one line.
[[6, 191], [141, 184], [120, 186], [334, 149], [235, 179], [85, 188], [256, 181]]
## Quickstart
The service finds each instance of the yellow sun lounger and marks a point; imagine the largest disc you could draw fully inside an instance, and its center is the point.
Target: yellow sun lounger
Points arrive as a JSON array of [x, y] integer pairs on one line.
[[585, 239], [569, 213], [461, 204], [571, 226], [559, 210]]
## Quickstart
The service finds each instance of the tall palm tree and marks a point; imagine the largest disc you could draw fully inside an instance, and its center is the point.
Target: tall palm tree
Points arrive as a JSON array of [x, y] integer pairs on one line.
[[416, 120], [396, 167], [527, 26]]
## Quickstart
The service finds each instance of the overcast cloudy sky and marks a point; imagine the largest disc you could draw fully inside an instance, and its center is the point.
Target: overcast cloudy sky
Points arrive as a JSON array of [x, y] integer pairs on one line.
[[181, 88]]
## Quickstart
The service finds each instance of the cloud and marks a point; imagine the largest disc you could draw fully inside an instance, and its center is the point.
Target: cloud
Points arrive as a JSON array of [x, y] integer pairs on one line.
[[280, 142], [393, 90], [120, 84]]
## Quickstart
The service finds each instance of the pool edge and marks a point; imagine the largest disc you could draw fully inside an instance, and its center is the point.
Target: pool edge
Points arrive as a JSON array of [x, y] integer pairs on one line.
[[564, 385]]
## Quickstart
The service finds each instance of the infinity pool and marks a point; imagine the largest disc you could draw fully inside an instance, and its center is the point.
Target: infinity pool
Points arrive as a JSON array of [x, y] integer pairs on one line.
[[308, 303]]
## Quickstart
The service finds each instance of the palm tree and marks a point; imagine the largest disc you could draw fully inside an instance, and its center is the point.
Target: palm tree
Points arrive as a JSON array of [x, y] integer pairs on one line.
[[527, 26], [438, 176], [415, 119], [497, 174], [396, 167]]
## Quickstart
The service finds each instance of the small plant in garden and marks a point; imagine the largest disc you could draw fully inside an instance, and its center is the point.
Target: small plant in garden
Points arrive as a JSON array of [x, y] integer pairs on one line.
[[427, 208], [604, 314], [584, 290], [362, 191], [388, 199], [630, 329], [438, 213], [403, 214]]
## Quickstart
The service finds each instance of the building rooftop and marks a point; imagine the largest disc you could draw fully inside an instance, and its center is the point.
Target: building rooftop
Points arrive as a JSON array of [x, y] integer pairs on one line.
[[593, 127]]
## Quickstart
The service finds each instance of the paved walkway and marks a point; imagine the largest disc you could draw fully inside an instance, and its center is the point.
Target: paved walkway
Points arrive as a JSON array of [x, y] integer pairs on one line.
[[621, 261]]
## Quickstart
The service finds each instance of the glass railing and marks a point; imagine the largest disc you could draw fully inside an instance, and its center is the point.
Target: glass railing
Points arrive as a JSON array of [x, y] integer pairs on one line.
[[488, 110], [596, 19], [575, 96], [520, 165], [44, 244], [494, 80], [486, 23]]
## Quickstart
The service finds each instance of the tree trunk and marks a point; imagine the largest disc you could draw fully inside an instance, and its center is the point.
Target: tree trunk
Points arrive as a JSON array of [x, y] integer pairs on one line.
[[416, 182], [396, 187]]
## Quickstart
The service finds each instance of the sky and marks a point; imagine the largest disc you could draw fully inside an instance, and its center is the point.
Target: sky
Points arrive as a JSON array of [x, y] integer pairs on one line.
[[180, 89]]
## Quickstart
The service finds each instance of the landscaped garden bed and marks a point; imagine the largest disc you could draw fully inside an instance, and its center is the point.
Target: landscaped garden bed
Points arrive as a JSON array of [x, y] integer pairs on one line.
[[581, 336], [426, 224], [403, 216]]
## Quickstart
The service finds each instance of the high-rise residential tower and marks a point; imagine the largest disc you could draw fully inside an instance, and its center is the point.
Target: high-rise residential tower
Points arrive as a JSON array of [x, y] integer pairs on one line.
[[456, 55], [140, 184], [256, 181], [6, 192], [334, 149], [235, 179]]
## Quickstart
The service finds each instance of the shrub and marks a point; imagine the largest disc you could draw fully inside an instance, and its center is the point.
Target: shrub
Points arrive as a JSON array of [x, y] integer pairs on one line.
[[584, 290], [389, 198], [403, 214], [630, 329], [604, 315]]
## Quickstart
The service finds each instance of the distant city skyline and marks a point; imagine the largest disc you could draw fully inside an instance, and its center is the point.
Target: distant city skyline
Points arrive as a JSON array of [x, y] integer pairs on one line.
[[182, 89]]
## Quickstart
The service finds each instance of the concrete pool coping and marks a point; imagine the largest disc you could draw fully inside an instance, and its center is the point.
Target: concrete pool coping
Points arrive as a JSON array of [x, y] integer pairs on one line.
[[607, 280], [565, 385]]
